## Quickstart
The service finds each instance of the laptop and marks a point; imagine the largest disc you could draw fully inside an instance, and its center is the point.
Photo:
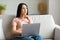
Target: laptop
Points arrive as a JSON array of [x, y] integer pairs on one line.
[[30, 29]]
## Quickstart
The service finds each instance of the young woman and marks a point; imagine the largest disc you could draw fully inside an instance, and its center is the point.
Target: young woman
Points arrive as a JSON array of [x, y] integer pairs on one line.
[[21, 18]]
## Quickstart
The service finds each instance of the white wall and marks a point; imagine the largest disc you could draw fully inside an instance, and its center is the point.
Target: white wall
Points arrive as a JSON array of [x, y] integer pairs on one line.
[[12, 6], [53, 6], [54, 9]]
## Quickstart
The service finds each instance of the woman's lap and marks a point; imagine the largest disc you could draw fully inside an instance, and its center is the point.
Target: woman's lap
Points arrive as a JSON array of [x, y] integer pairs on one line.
[[27, 38], [22, 38], [36, 37]]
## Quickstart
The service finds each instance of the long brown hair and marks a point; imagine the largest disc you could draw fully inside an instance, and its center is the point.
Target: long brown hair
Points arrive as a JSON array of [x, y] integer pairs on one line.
[[19, 9]]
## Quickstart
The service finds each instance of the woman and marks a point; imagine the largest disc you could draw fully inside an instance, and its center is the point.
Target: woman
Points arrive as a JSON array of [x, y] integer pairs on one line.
[[21, 18]]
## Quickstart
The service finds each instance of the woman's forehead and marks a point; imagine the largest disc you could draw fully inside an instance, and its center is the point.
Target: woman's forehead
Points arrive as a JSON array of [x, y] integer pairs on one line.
[[24, 6]]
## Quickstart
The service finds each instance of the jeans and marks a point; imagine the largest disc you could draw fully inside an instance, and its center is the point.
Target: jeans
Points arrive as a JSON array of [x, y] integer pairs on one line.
[[36, 37]]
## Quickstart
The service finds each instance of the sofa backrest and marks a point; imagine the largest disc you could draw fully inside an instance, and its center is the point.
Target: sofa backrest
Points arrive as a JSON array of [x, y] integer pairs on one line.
[[46, 25]]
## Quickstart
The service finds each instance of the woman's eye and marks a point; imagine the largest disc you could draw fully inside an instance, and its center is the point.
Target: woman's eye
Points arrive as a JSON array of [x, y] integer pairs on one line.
[[23, 8]]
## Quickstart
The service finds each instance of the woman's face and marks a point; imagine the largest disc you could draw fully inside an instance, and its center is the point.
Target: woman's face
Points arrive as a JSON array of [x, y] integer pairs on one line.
[[24, 10]]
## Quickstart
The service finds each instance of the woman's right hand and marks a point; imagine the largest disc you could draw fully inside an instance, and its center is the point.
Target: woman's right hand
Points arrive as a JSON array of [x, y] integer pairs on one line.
[[20, 30]]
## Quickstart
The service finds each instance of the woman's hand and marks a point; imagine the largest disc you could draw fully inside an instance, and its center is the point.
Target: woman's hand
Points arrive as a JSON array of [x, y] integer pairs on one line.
[[28, 18], [20, 31]]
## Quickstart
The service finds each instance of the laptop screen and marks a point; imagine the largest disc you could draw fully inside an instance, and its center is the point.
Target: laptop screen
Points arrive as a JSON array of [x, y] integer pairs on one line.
[[30, 29]]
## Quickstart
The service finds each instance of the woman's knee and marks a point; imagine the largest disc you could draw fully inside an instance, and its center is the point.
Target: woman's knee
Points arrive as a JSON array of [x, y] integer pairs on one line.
[[38, 37]]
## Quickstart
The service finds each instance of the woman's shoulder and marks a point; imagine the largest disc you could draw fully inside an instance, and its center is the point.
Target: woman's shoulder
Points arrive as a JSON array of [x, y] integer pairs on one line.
[[15, 19]]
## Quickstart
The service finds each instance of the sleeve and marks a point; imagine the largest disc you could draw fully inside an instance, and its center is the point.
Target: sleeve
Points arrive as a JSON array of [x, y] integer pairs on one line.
[[14, 21]]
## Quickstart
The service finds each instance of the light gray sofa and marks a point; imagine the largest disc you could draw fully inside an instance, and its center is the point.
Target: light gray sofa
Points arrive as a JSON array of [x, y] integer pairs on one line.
[[48, 29]]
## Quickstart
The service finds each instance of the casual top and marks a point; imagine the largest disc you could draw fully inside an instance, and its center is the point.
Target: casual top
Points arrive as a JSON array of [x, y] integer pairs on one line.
[[20, 21]]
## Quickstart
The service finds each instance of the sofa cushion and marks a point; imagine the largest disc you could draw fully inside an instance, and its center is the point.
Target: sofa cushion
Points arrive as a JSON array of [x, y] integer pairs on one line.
[[6, 23], [46, 25]]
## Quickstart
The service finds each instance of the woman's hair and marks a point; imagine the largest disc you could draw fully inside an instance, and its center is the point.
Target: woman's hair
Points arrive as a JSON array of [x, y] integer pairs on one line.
[[19, 9]]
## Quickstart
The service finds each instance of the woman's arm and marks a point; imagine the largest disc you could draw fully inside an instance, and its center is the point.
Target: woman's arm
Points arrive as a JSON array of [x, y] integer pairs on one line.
[[14, 26], [29, 19]]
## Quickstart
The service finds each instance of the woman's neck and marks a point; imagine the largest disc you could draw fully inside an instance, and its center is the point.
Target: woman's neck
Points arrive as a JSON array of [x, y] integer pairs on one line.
[[22, 16]]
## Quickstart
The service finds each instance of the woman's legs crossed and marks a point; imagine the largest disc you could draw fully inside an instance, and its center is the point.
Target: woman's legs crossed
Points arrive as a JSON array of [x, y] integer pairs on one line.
[[22, 38], [38, 37]]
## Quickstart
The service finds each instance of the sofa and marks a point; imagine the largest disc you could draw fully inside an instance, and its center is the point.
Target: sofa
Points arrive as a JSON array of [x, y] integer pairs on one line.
[[48, 29]]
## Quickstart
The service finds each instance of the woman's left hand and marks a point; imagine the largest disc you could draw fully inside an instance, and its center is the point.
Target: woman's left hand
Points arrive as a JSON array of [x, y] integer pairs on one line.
[[28, 18]]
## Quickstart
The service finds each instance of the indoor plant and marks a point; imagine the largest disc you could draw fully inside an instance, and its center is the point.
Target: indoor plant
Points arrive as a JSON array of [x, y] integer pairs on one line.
[[2, 8]]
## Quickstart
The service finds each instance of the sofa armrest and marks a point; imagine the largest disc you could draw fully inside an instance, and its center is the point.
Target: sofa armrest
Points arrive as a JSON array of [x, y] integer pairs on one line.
[[57, 32]]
